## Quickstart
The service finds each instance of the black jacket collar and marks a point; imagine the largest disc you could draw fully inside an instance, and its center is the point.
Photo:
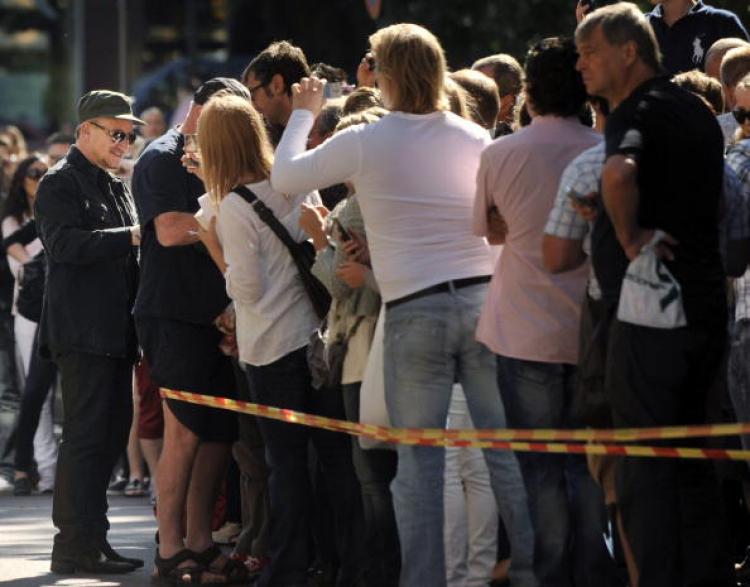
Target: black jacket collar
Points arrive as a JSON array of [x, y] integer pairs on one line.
[[79, 161]]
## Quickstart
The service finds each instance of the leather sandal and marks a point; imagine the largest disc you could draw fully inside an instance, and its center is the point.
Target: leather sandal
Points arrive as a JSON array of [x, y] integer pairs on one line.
[[235, 571], [168, 570]]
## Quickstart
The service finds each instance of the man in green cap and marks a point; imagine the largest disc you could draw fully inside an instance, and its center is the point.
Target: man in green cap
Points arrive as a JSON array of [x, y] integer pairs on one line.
[[88, 225]]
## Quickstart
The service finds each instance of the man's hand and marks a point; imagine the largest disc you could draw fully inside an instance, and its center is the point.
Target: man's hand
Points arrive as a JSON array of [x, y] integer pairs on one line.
[[227, 320], [135, 235], [356, 249], [366, 71], [662, 249], [586, 211], [497, 228], [312, 221], [309, 94], [353, 274], [582, 9]]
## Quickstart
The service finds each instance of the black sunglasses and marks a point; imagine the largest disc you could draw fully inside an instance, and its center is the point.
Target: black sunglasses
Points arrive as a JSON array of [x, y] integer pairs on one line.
[[741, 115], [36, 173], [117, 136], [256, 88]]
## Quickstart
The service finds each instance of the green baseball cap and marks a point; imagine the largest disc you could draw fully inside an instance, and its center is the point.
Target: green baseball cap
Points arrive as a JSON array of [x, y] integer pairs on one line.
[[106, 103]]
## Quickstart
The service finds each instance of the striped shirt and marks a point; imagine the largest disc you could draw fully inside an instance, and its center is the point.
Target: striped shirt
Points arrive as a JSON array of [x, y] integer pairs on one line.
[[583, 176]]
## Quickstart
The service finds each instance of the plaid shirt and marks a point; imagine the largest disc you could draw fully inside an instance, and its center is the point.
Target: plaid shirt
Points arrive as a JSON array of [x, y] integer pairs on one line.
[[582, 175], [736, 217]]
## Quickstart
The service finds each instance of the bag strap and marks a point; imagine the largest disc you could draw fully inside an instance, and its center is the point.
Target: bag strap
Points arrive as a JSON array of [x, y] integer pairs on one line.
[[267, 216], [354, 328]]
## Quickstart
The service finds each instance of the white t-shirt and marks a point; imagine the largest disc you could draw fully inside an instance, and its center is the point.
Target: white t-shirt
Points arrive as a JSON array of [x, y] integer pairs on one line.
[[415, 179], [274, 313]]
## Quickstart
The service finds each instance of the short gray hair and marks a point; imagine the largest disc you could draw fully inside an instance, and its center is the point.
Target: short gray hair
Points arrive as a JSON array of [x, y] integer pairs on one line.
[[621, 23]]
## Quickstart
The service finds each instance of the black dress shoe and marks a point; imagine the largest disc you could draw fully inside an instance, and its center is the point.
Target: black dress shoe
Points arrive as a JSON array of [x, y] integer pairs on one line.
[[113, 555], [93, 561]]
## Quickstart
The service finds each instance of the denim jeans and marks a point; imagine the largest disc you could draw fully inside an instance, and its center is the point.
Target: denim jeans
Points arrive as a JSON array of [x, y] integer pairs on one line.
[[739, 374], [471, 519], [285, 383], [567, 506], [429, 344]]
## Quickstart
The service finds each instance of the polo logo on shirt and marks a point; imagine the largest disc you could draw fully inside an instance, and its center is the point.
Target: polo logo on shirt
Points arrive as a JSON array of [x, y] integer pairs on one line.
[[698, 51]]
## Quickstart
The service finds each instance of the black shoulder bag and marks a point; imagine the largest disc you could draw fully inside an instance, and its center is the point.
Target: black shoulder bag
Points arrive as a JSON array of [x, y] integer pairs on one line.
[[31, 287], [303, 254]]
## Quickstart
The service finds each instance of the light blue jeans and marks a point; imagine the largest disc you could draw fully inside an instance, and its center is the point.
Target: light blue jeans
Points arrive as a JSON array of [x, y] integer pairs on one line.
[[429, 344]]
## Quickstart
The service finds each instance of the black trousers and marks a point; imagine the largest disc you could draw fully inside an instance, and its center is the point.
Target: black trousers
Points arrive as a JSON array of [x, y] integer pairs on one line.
[[285, 383], [671, 508], [98, 409], [39, 380], [375, 470]]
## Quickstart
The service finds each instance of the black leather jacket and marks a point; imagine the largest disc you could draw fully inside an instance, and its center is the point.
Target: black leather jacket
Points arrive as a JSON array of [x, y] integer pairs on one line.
[[83, 215]]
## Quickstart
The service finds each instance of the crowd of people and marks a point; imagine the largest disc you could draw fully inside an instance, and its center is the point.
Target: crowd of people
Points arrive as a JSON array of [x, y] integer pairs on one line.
[[558, 245]]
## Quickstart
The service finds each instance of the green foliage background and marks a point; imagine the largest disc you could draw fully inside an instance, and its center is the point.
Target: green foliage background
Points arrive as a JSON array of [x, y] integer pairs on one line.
[[469, 29]]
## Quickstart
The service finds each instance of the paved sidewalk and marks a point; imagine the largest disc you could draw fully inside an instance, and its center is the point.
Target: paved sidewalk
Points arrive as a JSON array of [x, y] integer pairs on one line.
[[26, 541]]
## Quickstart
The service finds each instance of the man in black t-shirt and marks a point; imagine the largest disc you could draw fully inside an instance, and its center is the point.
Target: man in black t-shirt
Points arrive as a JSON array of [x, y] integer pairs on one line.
[[664, 170], [180, 297]]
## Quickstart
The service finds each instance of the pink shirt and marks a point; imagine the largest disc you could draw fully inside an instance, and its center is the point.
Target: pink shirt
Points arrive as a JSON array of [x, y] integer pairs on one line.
[[529, 313]]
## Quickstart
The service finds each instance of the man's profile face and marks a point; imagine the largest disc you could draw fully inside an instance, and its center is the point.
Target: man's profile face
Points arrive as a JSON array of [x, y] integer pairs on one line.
[[599, 63], [57, 151], [262, 99], [104, 151]]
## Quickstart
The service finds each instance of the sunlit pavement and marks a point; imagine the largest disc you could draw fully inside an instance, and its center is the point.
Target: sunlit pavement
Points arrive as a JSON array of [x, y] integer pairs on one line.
[[26, 541]]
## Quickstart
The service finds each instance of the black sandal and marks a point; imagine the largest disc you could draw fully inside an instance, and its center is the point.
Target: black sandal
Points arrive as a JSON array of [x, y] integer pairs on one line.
[[234, 571], [168, 570]]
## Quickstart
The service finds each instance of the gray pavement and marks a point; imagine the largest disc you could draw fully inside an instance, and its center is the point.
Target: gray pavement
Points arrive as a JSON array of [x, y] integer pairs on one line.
[[26, 541]]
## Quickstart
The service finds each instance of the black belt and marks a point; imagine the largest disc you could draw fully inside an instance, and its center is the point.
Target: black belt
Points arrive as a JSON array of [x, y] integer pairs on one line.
[[439, 288]]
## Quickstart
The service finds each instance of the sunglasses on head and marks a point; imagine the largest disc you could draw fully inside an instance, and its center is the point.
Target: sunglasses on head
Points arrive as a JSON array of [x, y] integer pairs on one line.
[[741, 115], [117, 136], [36, 173]]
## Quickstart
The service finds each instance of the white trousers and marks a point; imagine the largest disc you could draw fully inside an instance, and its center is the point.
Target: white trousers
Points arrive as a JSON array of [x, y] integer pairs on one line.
[[471, 517], [45, 445]]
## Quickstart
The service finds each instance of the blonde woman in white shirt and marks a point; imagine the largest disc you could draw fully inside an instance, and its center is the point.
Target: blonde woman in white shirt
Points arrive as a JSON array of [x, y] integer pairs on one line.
[[275, 320], [414, 172]]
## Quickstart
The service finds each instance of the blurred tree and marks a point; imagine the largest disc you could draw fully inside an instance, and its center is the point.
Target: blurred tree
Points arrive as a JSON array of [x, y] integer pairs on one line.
[[336, 31]]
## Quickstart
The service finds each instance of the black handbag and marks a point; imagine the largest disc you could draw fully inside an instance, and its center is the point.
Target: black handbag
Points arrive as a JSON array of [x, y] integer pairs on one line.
[[326, 361], [31, 288], [303, 254]]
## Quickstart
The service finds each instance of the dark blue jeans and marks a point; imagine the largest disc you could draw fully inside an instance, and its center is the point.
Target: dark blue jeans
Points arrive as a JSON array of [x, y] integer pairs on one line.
[[375, 469], [567, 506], [285, 383]]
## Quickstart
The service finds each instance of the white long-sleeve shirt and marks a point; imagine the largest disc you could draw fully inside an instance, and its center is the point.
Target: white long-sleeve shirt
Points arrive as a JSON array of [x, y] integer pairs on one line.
[[415, 178], [274, 313]]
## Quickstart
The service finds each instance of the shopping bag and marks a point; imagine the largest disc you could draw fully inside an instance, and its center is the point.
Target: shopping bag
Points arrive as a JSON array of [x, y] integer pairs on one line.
[[650, 295], [372, 408]]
